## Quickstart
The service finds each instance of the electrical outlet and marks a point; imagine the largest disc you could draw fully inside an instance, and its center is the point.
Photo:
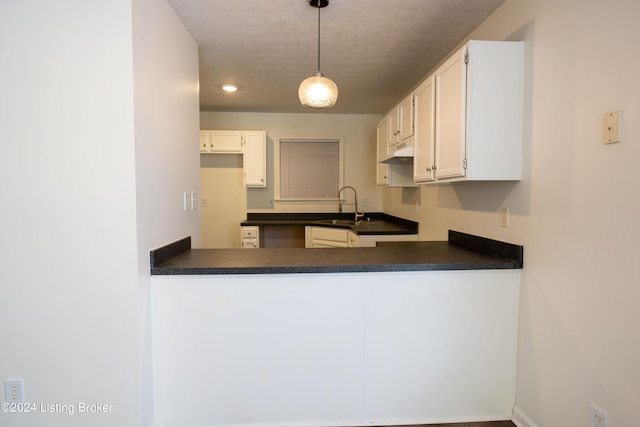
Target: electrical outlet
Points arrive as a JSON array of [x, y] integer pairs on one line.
[[598, 417], [504, 219], [14, 391], [203, 202], [364, 202]]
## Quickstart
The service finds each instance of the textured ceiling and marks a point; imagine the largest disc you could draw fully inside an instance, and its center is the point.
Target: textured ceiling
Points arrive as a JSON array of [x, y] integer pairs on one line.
[[375, 50]]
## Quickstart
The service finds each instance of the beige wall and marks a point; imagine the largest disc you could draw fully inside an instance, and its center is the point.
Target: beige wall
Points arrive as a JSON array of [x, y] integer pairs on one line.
[[357, 131], [576, 210]]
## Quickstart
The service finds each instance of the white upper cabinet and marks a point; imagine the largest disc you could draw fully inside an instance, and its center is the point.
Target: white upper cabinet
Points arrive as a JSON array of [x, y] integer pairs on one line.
[[390, 175], [401, 121], [405, 119], [478, 113], [450, 115], [254, 159], [423, 157], [221, 141], [251, 144]]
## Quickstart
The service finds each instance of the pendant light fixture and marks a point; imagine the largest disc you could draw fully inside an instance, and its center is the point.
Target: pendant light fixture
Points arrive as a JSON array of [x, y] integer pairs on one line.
[[318, 91]]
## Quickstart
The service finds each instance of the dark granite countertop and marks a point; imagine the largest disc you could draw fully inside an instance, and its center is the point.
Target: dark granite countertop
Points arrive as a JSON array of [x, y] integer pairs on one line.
[[461, 252], [371, 224]]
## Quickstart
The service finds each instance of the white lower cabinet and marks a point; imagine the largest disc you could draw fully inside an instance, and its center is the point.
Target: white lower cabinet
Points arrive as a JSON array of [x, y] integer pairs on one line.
[[327, 237], [335, 349], [250, 237]]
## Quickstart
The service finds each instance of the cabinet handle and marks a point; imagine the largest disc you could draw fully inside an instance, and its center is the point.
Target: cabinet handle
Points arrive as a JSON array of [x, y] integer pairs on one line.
[[428, 169]]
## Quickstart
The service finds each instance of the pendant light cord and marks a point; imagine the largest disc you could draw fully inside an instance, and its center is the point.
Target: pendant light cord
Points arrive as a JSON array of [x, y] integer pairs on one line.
[[319, 36]]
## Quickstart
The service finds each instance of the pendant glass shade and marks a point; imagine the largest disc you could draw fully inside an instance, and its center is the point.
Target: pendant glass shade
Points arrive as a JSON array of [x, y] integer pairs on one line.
[[318, 92]]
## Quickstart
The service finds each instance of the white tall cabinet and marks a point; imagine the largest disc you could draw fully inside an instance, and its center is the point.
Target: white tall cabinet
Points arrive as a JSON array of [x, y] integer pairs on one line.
[[254, 159]]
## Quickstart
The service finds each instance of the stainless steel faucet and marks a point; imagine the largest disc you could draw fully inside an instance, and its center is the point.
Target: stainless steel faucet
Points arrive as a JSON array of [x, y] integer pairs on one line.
[[355, 198]]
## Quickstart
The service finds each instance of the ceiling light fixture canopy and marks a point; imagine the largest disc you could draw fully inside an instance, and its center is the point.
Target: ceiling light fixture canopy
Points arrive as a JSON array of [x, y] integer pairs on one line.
[[229, 87], [318, 91]]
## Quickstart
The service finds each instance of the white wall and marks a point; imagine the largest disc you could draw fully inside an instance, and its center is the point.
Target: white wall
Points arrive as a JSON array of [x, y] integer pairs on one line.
[[165, 60], [69, 305], [83, 212], [576, 210]]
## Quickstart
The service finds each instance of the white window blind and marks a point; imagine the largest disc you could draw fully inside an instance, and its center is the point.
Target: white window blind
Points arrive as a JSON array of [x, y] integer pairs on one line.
[[309, 168]]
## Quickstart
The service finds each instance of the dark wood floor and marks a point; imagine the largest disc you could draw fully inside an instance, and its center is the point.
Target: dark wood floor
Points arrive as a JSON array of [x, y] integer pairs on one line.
[[485, 424]]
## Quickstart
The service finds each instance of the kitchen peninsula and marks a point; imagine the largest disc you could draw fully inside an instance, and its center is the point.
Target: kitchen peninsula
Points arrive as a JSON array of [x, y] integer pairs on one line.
[[403, 333]]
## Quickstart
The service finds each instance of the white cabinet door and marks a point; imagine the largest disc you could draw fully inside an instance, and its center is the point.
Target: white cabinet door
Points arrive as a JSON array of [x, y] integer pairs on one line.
[[382, 169], [400, 121], [255, 159], [326, 237], [226, 141], [354, 240], [205, 141], [405, 118], [423, 157], [392, 136], [450, 83]]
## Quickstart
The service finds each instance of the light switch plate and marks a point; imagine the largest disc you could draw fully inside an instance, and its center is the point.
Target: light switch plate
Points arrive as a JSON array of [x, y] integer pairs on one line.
[[612, 127]]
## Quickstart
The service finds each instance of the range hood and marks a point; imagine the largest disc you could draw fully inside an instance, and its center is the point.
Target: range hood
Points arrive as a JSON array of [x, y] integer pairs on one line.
[[400, 153]]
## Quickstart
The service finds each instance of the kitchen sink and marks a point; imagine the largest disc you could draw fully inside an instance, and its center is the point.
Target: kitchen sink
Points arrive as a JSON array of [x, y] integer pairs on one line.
[[347, 222]]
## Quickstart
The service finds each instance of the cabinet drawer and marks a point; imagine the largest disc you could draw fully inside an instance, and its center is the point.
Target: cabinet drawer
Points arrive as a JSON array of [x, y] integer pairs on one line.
[[249, 232], [250, 243]]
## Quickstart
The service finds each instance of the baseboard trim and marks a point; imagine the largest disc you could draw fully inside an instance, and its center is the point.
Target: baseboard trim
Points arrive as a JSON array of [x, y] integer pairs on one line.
[[520, 419]]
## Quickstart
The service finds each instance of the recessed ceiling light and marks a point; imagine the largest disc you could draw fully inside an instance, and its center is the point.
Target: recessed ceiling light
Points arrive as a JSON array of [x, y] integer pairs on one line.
[[229, 88]]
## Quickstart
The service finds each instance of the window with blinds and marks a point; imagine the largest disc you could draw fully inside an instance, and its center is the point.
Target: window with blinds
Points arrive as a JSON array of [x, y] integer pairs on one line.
[[309, 168]]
